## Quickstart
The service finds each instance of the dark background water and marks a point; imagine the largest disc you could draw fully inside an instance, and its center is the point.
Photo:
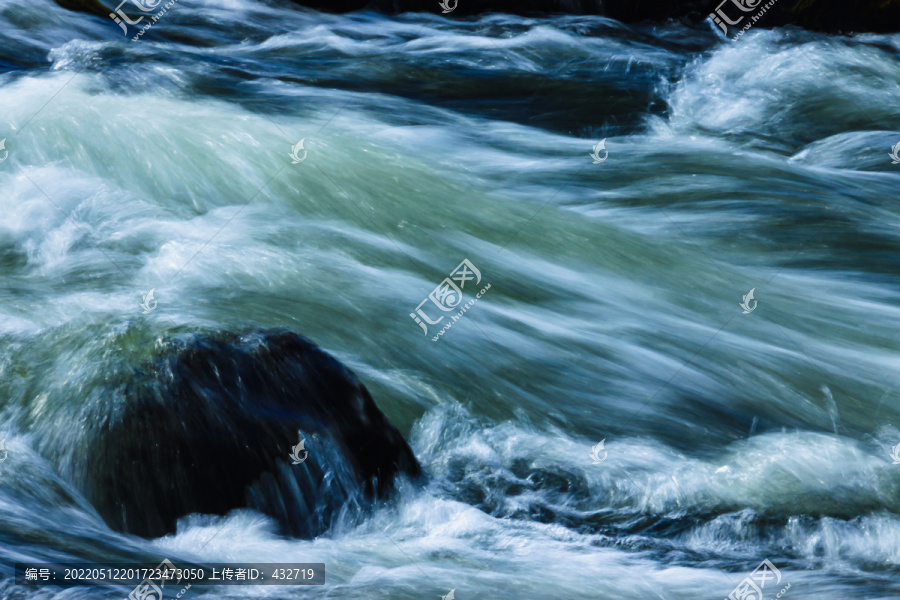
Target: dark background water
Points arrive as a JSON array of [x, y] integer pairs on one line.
[[613, 312]]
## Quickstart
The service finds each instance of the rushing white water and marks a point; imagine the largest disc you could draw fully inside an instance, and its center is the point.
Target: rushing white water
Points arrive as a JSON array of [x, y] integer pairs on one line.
[[613, 311]]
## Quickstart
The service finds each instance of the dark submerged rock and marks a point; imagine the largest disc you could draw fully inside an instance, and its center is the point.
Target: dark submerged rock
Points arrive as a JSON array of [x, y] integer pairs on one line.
[[92, 7], [209, 425], [829, 16]]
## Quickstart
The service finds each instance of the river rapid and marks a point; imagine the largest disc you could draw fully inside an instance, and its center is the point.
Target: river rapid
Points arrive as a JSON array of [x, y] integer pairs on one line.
[[170, 163]]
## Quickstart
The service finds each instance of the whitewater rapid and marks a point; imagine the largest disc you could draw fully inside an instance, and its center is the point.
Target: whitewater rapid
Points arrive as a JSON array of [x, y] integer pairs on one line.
[[613, 314]]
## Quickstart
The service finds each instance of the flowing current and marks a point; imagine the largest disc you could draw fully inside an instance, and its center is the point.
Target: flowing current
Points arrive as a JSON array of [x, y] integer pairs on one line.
[[614, 309]]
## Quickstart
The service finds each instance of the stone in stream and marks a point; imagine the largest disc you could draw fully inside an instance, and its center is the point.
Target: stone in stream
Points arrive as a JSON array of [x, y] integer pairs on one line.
[[209, 426], [830, 16]]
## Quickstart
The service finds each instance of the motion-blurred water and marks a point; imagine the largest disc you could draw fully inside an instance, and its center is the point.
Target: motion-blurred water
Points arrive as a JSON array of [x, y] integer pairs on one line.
[[613, 312]]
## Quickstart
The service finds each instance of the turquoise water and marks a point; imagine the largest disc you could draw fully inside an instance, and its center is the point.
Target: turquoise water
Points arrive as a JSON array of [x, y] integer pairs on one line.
[[613, 313]]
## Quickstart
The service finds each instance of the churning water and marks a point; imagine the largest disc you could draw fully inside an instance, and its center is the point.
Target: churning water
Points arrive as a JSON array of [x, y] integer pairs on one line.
[[613, 314]]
